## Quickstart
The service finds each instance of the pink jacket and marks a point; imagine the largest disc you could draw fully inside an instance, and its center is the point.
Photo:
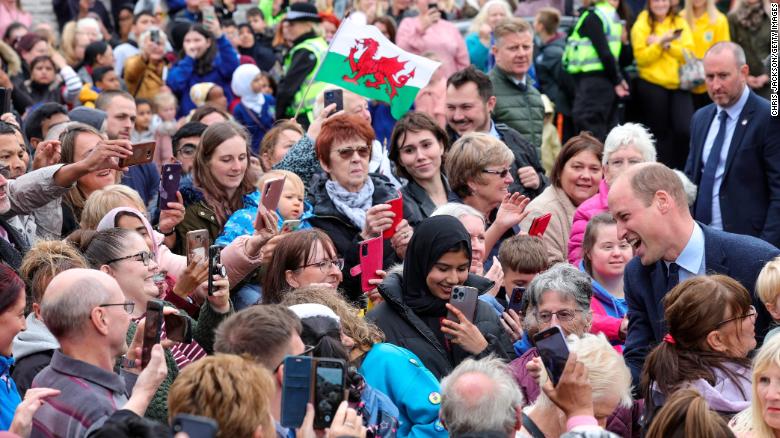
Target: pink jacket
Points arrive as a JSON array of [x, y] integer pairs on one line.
[[594, 205], [441, 38], [603, 323]]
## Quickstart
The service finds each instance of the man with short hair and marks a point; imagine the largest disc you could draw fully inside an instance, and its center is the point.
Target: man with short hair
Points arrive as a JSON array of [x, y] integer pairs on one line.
[[734, 156], [184, 144], [470, 101], [141, 22], [38, 122], [89, 315], [518, 103], [268, 334], [120, 110], [651, 209]]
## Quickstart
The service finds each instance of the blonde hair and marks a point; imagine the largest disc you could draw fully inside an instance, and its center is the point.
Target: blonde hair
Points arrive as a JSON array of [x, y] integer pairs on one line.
[[607, 371], [163, 99], [752, 419], [768, 281], [481, 17], [711, 10], [106, 199], [233, 390], [68, 43], [470, 155], [46, 259], [295, 180]]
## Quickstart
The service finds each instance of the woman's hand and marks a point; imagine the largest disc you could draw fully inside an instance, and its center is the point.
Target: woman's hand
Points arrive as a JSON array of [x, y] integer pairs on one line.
[[172, 215], [496, 275], [511, 211], [401, 238], [535, 369], [428, 18], [374, 294], [266, 229], [652, 39], [194, 274], [47, 153], [573, 394], [513, 325], [316, 124], [623, 331], [346, 423], [463, 333], [378, 219], [23, 416], [105, 155], [220, 296], [214, 27]]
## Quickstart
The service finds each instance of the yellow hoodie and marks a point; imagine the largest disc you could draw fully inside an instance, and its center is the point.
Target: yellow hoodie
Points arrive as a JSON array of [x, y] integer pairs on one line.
[[705, 34], [658, 65]]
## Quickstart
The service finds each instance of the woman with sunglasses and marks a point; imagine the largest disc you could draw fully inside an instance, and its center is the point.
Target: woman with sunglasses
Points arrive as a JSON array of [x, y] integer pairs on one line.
[[711, 322], [349, 204], [125, 255]]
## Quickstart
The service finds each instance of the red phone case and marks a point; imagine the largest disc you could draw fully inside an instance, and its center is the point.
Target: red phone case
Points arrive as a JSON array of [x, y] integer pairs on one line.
[[539, 225], [397, 207], [371, 259], [272, 192]]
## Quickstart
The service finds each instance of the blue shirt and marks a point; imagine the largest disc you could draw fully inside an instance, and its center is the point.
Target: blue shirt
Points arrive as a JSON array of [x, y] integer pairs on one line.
[[691, 259], [731, 123]]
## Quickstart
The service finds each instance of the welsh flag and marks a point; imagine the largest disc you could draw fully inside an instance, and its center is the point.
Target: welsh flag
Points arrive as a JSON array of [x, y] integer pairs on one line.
[[360, 59]]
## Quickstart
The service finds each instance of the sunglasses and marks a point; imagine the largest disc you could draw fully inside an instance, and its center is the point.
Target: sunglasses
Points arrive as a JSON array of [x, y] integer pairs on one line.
[[501, 173], [347, 152]]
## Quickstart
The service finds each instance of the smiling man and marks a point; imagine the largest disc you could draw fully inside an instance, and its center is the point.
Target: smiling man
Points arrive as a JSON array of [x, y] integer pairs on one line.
[[650, 206]]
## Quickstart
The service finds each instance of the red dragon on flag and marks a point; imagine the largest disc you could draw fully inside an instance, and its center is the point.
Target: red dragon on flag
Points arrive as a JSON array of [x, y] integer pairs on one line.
[[383, 69]]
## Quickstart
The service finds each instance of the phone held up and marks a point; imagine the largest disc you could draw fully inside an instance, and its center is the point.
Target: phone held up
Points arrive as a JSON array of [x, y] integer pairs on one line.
[[321, 381], [553, 350], [215, 266], [152, 329]]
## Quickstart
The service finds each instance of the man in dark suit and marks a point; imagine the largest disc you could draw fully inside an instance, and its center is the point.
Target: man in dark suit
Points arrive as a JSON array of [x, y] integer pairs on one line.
[[735, 151], [649, 204]]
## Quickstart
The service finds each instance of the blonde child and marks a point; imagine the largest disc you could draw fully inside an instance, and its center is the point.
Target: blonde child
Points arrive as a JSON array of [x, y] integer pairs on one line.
[[768, 289], [292, 206], [163, 126]]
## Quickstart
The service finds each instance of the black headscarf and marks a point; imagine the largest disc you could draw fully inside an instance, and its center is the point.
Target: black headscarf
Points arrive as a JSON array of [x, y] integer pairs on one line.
[[432, 238]]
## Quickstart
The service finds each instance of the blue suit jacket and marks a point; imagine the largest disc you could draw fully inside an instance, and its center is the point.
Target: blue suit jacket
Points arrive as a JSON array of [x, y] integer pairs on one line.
[[750, 192], [740, 257]]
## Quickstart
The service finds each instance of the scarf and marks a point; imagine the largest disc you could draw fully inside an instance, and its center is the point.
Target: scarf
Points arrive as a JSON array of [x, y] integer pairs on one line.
[[350, 204], [242, 87], [110, 221], [431, 239], [751, 16]]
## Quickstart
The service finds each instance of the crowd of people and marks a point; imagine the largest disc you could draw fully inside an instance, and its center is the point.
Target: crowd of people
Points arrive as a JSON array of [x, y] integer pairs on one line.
[[606, 169]]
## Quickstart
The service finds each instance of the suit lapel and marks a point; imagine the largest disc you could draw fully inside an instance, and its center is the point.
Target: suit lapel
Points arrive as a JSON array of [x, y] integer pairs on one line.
[[743, 122]]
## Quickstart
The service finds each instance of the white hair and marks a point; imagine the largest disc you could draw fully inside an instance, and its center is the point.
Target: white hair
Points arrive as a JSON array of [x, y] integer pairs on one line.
[[457, 210], [688, 187], [483, 13], [87, 23], [145, 35], [630, 135], [492, 410], [607, 371]]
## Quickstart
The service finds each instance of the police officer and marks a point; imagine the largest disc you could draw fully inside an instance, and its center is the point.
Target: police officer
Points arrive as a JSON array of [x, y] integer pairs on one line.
[[301, 31], [591, 57]]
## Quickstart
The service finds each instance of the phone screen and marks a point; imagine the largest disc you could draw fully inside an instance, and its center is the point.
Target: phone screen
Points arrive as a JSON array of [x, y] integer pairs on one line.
[[177, 328], [516, 299], [328, 392], [215, 266], [553, 351], [152, 329]]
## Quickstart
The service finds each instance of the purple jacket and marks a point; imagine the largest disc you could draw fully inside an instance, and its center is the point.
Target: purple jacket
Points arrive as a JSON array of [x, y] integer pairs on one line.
[[594, 205]]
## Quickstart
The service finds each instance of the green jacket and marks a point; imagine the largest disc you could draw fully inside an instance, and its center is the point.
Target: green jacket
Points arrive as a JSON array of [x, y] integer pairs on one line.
[[522, 111]]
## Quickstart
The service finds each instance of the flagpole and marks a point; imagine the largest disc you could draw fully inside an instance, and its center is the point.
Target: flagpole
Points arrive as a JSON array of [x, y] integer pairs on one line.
[[311, 81]]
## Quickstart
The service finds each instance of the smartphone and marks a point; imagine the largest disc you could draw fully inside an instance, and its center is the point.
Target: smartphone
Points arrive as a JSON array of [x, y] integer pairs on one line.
[[296, 390], [178, 328], [208, 11], [5, 100], [154, 36], [272, 192], [516, 300], [142, 154], [553, 350], [539, 225], [329, 390], [291, 225], [197, 245], [169, 184], [215, 266], [464, 298], [678, 32], [194, 426], [397, 207], [433, 6], [335, 96], [152, 329], [371, 260]]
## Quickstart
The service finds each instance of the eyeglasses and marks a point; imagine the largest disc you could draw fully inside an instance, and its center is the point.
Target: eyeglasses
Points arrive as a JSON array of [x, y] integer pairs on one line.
[[501, 173], [325, 265], [347, 152], [308, 350], [563, 315], [128, 306], [750, 314], [144, 257], [187, 149]]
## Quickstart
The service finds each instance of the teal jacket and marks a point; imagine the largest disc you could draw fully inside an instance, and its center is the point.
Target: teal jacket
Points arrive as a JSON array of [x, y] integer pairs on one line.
[[522, 110], [401, 375]]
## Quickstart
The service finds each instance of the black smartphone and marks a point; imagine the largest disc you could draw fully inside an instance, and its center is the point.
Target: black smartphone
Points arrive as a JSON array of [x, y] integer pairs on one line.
[[194, 426], [169, 184], [335, 96], [5, 100], [434, 6], [516, 300], [553, 350], [152, 329], [329, 390], [215, 266], [154, 36], [296, 390], [178, 328]]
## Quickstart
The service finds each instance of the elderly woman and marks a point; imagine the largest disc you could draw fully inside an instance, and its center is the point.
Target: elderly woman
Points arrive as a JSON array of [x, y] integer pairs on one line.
[[349, 204], [761, 419], [575, 178], [625, 146], [145, 71], [610, 381], [417, 148], [416, 301], [711, 323], [480, 40]]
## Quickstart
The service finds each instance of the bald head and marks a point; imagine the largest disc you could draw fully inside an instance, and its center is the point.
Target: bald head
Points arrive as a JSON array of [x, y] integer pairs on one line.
[[474, 388], [70, 297], [726, 48]]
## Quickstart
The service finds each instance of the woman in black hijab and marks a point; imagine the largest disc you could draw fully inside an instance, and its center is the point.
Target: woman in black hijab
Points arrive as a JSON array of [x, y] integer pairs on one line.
[[416, 302]]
